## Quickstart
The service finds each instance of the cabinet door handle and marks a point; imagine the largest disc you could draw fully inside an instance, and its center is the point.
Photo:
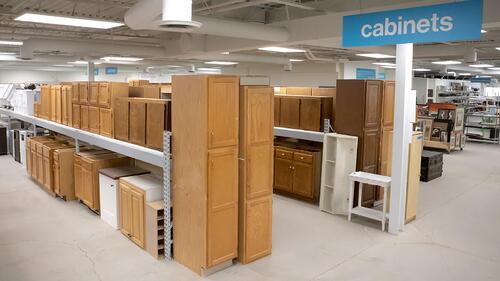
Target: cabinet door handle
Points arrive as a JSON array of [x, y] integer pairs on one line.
[[293, 167], [301, 158], [290, 167]]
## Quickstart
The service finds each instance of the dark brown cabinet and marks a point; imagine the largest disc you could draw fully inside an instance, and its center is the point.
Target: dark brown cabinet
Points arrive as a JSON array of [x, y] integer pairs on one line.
[[297, 173], [300, 112], [289, 112], [358, 113]]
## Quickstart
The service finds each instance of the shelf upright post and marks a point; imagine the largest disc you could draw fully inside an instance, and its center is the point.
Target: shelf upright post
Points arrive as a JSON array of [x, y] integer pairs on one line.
[[9, 127], [167, 211], [77, 146]]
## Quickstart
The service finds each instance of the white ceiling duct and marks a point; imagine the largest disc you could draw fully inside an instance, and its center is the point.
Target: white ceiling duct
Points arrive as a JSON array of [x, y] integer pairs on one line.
[[177, 15], [147, 15]]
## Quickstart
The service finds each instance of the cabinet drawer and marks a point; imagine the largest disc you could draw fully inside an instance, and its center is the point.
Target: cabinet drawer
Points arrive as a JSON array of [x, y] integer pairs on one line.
[[284, 154], [302, 157]]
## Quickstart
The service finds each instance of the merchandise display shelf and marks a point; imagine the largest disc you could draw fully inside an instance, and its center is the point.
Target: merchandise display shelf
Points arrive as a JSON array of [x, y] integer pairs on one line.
[[144, 154], [299, 134]]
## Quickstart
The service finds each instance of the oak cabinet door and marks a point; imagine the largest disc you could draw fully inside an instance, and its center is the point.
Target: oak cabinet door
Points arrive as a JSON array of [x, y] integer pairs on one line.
[[388, 104], [290, 112], [64, 106], [47, 173], [372, 104], [303, 179], [124, 208], [283, 174], [277, 106], [78, 178], [76, 116], [258, 230], [222, 207], [104, 95], [83, 93], [75, 93], [259, 179], [87, 193], [137, 217], [94, 119], [259, 127], [57, 178], [137, 125], [94, 94], [84, 117], [155, 125], [223, 112], [106, 122], [310, 114], [121, 119], [58, 104]]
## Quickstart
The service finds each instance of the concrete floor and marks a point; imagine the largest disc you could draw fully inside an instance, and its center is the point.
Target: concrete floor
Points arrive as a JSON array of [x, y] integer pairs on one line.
[[455, 237]]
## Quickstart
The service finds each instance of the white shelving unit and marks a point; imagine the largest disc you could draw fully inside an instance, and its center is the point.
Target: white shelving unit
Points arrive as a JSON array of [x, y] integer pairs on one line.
[[339, 161]]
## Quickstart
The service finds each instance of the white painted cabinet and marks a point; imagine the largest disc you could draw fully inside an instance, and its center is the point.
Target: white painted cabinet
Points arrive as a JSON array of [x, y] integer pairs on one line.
[[339, 160], [108, 191]]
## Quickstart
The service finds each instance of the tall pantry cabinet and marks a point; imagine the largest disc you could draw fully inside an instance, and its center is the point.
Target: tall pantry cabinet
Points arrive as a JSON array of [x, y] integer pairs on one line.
[[358, 113], [255, 172], [205, 174]]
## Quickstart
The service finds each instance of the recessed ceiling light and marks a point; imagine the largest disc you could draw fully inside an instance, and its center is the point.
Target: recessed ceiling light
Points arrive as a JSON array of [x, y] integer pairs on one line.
[[63, 65], [481, 65], [421, 69], [389, 66], [384, 63], [447, 62], [174, 66], [68, 21], [221, 62], [224, 53], [483, 31], [82, 62], [296, 60], [494, 68], [208, 69], [282, 50], [464, 74], [376, 56], [8, 58], [128, 59], [11, 43]]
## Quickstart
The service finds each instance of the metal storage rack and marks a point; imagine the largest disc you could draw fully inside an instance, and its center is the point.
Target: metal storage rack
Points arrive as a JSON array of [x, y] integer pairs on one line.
[[482, 115], [153, 157]]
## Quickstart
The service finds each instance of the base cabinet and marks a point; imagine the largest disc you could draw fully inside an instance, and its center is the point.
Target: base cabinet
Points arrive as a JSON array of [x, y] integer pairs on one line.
[[297, 172], [64, 179]]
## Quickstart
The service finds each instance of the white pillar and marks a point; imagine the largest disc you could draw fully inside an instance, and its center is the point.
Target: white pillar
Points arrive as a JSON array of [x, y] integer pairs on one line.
[[402, 136], [90, 71]]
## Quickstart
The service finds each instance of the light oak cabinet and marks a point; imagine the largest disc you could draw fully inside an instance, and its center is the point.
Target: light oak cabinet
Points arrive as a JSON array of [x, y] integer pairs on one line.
[[109, 91], [67, 105], [106, 122], [75, 92], [297, 173], [83, 93], [86, 169], [94, 119], [76, 116], [64, 180], [134, 193], [205, 112], [84, 117], [121, 119], [45, 102], [48, 163], [93, 94], [255, 172]]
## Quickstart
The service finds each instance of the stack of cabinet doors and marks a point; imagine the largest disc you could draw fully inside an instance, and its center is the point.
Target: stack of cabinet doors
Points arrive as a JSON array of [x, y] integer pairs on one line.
[[255, 172], [101, 100], [297, 172], [358, 113], [300, 112], [142, 121], [135, 192], [205, 175], [86, 169], [67, 104]]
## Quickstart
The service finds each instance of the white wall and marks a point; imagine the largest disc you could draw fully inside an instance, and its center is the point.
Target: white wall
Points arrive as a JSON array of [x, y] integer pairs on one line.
[[22, 76], [350, 70]]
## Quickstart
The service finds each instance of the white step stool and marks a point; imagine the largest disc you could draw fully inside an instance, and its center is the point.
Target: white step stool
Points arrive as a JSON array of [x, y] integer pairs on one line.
[[367, 178]]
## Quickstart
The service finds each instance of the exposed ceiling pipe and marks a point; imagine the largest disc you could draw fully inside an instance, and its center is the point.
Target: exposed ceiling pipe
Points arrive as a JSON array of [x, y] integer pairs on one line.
[[146, 15]]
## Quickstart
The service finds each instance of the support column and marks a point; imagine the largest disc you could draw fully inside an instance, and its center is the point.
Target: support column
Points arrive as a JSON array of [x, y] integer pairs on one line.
[[402, 136], [90, 71]]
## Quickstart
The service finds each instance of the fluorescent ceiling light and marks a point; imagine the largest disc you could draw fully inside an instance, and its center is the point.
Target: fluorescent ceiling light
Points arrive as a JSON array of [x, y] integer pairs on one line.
[[282, 50], [481, 65], [221, 62], [68, 21], [11, 43], [464, 74], [421, 69], [127, 59], [384, 63], [447, 62], [224, 53], [7, 54], [82, 62], [389, 66], [63, 65], [485, 76], [208, 69], [483, 31], [8, 58], [494, 68], [376, 56], [451, 73], [498, 48], [296, 60]]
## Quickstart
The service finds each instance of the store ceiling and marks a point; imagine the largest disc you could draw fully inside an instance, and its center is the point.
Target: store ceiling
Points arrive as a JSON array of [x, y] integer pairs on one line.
[[313, 25]]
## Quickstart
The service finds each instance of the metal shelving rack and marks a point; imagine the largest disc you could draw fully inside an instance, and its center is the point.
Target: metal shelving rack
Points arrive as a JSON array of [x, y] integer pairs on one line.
[[489, 112], [151, 156]]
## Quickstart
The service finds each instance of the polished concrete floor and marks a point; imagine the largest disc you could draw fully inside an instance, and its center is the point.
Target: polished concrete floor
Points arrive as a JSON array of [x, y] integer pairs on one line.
[[455, 237]]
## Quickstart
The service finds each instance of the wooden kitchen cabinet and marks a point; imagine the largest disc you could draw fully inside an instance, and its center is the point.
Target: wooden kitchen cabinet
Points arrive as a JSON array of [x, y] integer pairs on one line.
[[134, 193], [109, 91], [32, 154], [45, 98], [298, 91], [64, 180], [93, 94], [64, 105], [313, 112], [255, 172], [76, 116], [106, 122], [290, 112], [145, 91], [297, 172], [94, 119], [158, 119], [83, 93], [205, 112], [84, 117], [358, 113], [48, 163], [121, 119], [86, 170], [75, 92], [137, 121], [277, 106]]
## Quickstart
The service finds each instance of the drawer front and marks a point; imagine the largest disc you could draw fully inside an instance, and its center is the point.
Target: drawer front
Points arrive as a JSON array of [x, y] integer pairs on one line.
[[303, 157], [284, 154]]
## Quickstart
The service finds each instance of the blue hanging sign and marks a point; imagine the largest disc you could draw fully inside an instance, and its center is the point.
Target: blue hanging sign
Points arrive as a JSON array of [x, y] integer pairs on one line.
[[486, 80], [365, 73], [381, 76], [455, 21], [96, 71], [111, 70]]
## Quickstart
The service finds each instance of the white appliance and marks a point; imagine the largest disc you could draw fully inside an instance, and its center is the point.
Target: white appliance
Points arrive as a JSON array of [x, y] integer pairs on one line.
[[108, 191], [23, 101], [23, 136]]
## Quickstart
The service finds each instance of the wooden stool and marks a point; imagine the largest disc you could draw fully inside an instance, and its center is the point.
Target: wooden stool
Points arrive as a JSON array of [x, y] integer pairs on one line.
[[372, 179]]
